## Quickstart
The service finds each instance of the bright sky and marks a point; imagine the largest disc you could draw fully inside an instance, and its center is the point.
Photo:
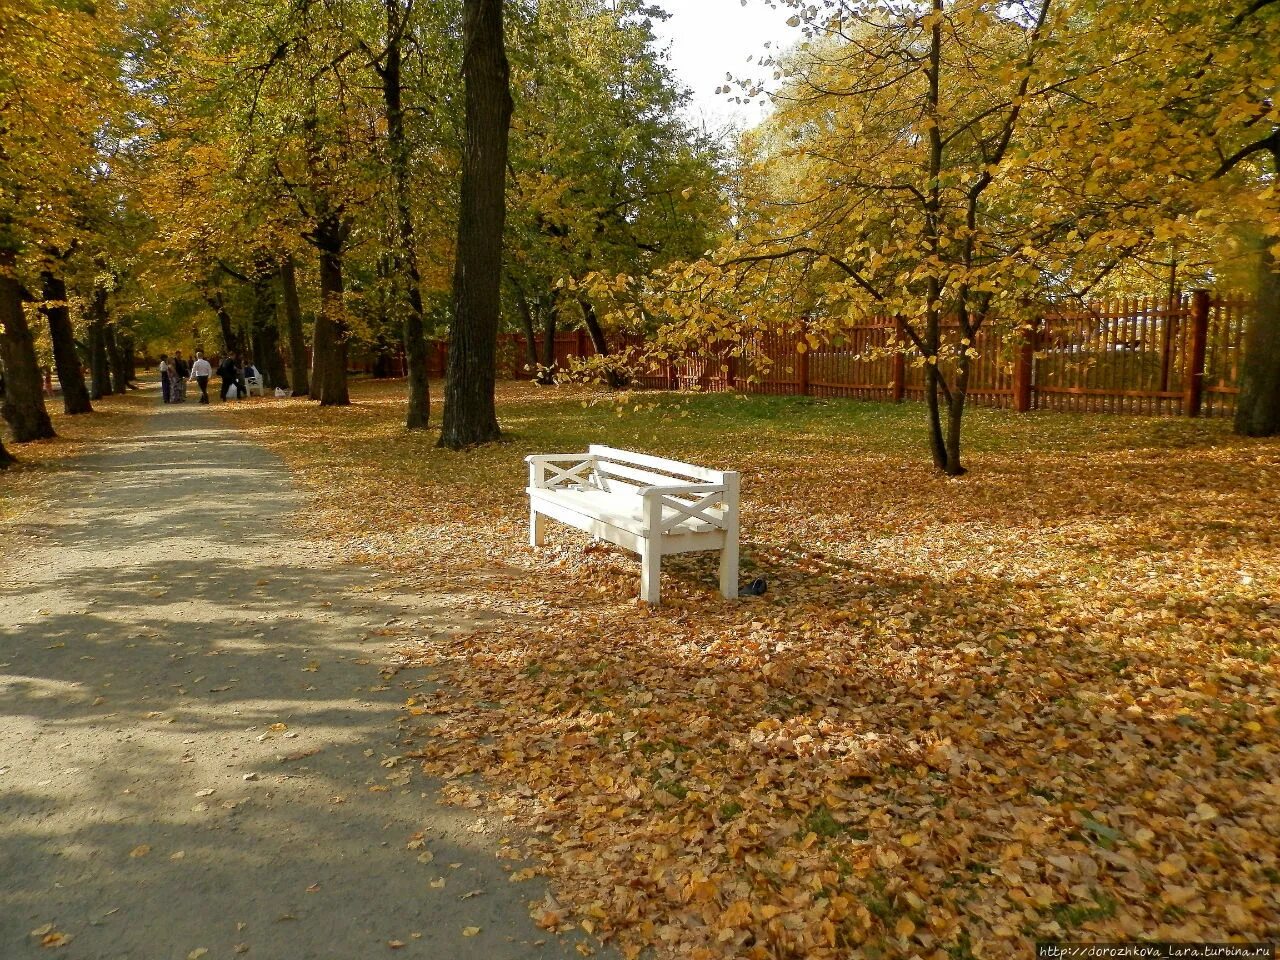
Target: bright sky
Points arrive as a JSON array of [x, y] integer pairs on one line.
[[710, 38]]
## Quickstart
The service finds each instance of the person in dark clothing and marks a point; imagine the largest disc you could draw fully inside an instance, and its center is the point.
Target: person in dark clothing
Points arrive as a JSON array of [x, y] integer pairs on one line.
[[166, 387], [229, 371], [180, 373]]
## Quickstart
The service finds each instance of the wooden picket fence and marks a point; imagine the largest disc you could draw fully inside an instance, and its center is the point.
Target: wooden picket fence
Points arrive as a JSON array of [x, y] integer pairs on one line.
[[1151, 357], [1148, 357]]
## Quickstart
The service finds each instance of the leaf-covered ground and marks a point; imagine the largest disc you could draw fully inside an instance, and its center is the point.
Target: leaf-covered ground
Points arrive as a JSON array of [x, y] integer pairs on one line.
[[24, 487], [1036, 702]]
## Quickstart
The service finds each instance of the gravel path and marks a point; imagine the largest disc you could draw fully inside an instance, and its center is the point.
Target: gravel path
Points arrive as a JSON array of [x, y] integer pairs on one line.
[[196, 742]]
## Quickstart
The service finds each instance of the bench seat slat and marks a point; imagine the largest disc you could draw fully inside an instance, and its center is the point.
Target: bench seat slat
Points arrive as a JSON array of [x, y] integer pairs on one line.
[[624, 511]]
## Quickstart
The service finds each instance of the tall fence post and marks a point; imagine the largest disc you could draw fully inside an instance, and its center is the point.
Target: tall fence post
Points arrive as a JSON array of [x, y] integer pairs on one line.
[[731, 372], [802, 366], [899, 383], [1024, 369], [1173, 310], [1197, 345]]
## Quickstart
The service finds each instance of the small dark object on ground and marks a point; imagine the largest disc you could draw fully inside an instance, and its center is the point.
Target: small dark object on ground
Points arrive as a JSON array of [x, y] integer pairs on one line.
[[754, 589]]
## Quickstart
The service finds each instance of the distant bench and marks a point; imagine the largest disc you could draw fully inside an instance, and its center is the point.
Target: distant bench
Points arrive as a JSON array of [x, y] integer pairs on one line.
[[647, 504]]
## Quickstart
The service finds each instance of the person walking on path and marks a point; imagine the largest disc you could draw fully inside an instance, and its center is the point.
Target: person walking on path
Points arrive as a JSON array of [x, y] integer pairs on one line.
[[166, 381], [229, 371], [181, 372], [201, 371]]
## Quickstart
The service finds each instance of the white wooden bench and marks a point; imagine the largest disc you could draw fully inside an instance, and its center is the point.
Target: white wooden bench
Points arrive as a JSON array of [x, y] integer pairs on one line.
[[647, 504]]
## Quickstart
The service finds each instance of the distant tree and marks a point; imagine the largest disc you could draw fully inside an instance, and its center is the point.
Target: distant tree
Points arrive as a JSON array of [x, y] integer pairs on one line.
[[608, 177], [23, 407], [56, 309]]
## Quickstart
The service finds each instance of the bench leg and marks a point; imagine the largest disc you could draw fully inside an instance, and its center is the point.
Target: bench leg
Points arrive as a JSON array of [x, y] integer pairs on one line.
[[729, 570], [537, 528], [651, 572]]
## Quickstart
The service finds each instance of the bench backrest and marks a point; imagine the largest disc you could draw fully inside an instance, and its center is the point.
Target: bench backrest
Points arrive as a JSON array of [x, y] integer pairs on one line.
[[626, 471]]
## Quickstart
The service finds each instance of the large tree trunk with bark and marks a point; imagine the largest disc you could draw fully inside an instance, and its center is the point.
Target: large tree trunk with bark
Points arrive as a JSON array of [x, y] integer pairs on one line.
[[99, 365], [23, 408], [298, 373], [405, 258], [329, 367], [1258, 404], [469, 414], [75, 393]]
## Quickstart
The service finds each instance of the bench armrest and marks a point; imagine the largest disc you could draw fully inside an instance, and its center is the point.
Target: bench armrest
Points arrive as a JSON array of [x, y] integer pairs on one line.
[[689, 501], [565, 468], [680, 489], [558, 457]]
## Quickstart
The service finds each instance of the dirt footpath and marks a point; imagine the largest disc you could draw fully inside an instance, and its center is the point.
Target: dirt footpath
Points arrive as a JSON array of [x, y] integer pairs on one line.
[[197, 748]]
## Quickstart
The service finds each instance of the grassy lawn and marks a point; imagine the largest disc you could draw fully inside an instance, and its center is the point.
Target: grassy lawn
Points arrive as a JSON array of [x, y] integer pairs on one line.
[[1039, 701]]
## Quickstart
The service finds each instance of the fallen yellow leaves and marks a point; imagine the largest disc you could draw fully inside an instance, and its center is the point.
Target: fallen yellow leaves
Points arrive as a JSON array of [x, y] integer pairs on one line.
[[1039, 702], [50, 937]]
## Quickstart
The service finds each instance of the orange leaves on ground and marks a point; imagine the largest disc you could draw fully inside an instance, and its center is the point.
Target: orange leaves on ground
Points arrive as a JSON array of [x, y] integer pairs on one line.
[[1039, 702]]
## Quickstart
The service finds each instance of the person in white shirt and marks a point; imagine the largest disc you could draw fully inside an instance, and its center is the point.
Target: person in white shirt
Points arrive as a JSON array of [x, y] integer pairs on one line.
[[201, 371]]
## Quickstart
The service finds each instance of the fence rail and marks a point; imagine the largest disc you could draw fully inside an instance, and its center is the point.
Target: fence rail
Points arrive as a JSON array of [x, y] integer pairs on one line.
[[1160, 357]]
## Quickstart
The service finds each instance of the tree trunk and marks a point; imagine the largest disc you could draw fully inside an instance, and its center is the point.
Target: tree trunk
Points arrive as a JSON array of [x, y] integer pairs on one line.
[[405, 259], [470, 416], [6, 458], [23, 408], [526, 323], [550, 322], [330, 363], [119, 374], [933, 207], [293, 325], [933, 400], [1258, 404], [230, 341], [321, 347], [129, 351], [613, 377], [265, 333], [955, 416], [99, 365], [75, 394]]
